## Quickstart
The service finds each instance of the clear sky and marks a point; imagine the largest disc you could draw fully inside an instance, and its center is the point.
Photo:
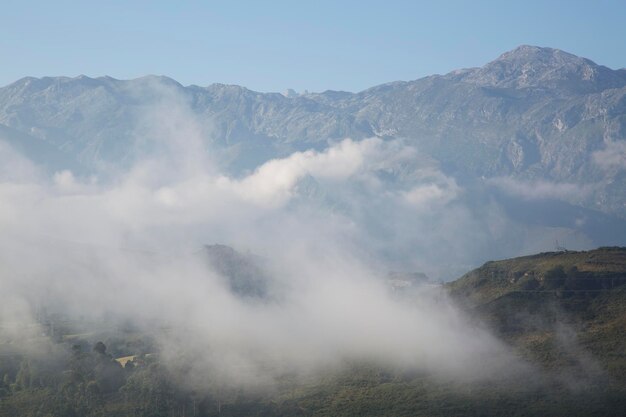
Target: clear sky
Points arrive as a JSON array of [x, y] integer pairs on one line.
[[275, 45]]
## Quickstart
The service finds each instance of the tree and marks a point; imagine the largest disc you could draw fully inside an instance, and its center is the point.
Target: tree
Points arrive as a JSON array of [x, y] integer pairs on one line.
[[100, 348]]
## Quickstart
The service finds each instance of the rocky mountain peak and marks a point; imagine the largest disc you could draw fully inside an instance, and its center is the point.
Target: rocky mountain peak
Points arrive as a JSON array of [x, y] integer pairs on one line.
[[533, 66], [537, 53]]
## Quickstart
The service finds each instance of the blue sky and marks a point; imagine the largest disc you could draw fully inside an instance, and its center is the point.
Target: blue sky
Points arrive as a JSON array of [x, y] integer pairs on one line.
[[275, 45]]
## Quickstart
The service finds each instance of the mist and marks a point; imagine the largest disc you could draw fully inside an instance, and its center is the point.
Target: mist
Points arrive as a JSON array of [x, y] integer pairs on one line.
[[125, 242]]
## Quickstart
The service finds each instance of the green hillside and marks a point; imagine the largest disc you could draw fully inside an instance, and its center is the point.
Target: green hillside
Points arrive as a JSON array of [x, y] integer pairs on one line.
[[567, 271], [555, 307]]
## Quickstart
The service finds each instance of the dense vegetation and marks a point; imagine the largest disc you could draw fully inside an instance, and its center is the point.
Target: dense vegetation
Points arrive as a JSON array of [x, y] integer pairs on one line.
[[565, 312]]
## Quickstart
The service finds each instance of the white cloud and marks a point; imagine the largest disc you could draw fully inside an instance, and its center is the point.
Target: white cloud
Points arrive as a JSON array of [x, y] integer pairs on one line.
[[540, 189], [612, 156], [273, 183], [429, 194]]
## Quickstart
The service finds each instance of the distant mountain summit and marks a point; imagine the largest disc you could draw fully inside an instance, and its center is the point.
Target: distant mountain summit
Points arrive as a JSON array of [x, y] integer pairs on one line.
[[533, 66]]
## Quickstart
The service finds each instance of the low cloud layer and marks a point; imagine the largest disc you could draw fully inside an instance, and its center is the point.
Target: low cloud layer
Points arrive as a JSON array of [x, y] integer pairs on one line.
[[330, 223]]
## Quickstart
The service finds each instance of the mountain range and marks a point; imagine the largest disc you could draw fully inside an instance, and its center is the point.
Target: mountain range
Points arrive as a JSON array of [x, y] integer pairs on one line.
[[542, 129]]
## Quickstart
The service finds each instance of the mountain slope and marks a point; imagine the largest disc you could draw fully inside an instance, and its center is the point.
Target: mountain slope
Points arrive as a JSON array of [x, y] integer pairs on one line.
[[566, 310]]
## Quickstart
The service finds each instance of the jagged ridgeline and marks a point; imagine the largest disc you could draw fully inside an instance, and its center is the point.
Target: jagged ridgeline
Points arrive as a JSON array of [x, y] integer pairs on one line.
[[563, 313]]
